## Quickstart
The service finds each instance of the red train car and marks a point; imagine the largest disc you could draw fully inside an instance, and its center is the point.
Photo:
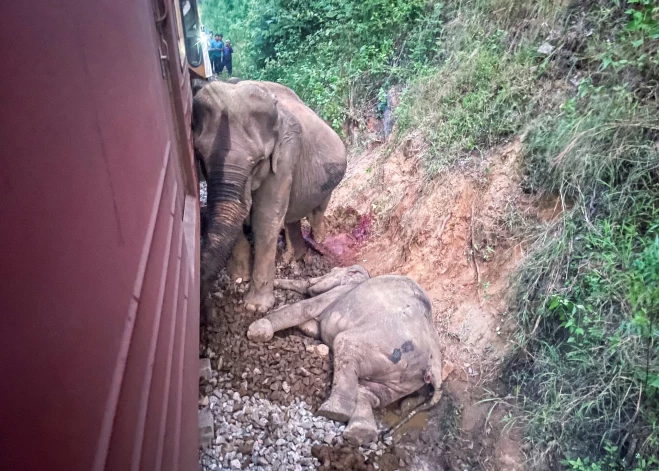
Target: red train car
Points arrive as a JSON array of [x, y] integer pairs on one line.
[[99, 292]]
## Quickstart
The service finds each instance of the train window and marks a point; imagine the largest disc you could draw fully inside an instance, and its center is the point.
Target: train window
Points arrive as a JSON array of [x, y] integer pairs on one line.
[[191, 32]]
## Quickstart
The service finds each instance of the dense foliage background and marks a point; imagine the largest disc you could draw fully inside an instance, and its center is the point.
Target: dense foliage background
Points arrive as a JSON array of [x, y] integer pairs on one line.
[[579, 82], [337, 54]]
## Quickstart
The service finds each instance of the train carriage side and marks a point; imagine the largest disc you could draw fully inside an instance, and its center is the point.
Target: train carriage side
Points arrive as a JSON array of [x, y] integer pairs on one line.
[[100, 236]]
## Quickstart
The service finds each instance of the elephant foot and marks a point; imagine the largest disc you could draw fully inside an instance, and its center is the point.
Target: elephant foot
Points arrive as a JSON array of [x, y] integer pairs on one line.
[[300, 254], [287, 257], [260, 331], [337, 409], [236, 270], [360, 432], [261, 302], [318, 234], [296, 247], [240, 262], [294, 255]]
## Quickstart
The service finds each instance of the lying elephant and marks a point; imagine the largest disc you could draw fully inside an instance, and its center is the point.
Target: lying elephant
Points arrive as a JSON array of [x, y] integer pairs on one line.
[[381, 331], [268, 160]]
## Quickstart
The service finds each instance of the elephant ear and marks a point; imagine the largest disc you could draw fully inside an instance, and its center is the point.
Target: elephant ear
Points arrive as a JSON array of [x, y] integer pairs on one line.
[[289, 143]]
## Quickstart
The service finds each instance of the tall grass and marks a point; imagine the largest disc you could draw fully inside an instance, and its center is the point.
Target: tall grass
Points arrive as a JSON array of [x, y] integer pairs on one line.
[[480, 96], [587, 376]]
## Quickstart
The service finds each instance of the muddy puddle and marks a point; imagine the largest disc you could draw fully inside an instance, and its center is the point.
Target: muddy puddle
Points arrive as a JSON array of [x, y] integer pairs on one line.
[[392, 416]]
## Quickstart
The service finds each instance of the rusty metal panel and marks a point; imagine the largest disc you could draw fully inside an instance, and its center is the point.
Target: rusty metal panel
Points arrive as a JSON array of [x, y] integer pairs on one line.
[[100, 247]]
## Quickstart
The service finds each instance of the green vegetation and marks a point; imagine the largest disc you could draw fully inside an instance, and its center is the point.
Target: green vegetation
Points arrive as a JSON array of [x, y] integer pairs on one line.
[[585, 374], [589, 296], [336, 54], [485, 95]]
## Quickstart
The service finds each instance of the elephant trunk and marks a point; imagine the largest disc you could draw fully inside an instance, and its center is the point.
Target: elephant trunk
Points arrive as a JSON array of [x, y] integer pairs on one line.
[[225, 214]]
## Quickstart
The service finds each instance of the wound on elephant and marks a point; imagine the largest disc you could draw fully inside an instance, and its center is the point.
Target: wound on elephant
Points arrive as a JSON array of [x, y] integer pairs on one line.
[[407, 346], [395, 356], [334, 174]]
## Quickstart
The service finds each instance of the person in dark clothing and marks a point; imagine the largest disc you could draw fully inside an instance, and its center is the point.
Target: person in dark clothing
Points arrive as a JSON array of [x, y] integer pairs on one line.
[[228, 51], [216, 51]]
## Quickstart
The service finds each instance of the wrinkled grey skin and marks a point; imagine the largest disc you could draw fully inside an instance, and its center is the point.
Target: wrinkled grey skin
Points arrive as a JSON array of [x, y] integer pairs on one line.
[[268, 161], [381, 331]]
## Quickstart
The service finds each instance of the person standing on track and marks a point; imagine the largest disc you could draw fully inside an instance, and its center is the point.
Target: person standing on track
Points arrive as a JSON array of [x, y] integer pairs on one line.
[[228, 51], [216, 52]]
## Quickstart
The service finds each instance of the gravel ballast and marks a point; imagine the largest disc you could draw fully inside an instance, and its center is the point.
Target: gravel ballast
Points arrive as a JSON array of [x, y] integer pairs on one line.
[[263, 396]]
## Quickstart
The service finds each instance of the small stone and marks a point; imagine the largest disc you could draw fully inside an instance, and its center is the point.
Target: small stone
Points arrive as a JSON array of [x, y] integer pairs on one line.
[[204, 402], [329, 438], [285, 387], [239, 280], [545, 49], [447, 369], [322, 350], [205, 370], [235, 464]]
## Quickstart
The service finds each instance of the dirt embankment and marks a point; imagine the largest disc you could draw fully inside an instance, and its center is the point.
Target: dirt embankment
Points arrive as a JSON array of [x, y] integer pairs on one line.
[[461, 236]]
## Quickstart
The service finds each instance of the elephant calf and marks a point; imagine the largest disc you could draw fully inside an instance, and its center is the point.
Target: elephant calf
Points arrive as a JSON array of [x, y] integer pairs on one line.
[[381, 331]]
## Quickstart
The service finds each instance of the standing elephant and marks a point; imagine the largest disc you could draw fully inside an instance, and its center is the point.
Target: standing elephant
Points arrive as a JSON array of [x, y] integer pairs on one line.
[[382, 334], [270, 161]]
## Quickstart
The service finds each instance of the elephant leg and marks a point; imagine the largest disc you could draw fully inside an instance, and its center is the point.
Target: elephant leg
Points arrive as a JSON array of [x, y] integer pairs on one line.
[[317, 221], [287, 256], [325, 283], [296, 247], [337, 277], [299, 286], [362, 428], [310, 328], [293, 315], [342, 402], [269, 206], [239, 265]]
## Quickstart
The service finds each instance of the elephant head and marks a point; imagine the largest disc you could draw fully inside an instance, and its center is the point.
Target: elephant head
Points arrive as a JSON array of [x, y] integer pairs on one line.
[[235, 129]]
